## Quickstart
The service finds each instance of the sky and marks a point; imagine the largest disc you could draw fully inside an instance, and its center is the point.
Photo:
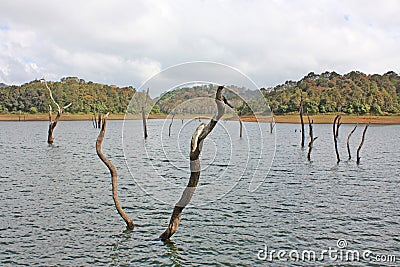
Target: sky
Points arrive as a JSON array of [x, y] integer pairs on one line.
[[126, 42]]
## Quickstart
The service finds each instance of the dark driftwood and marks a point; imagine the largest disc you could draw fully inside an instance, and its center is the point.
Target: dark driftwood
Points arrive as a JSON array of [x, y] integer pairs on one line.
[[361, 144], [335, 128], [302, 121], [114, 175], [53, 124], [195, 149], [312, 138], [169, 128], [348, 141]]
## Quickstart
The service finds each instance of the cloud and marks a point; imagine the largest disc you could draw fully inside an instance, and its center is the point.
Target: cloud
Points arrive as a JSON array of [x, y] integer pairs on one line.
[[126, 42]]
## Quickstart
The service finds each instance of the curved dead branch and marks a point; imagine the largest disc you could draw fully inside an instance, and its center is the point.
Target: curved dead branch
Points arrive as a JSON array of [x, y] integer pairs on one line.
[[361, 144], [195, 149], [335, 135], [114, 175], [348, 141], [312, 138]]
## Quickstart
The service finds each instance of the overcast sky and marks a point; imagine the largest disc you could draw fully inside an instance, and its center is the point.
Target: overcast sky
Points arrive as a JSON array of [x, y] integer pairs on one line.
[[127, 42]]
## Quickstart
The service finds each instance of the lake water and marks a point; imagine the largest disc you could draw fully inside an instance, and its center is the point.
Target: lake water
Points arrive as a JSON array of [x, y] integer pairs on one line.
[[56, 206]]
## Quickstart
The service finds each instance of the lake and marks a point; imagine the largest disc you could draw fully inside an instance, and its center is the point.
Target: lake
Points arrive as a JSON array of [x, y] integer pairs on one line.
[[255, 192]]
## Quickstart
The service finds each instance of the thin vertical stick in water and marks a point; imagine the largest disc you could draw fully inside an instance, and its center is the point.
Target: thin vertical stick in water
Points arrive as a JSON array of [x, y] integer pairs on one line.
[[348, 141], [169, 128], [144, 115], [335, 128], [361, 144], [312, 138], [302, 121]]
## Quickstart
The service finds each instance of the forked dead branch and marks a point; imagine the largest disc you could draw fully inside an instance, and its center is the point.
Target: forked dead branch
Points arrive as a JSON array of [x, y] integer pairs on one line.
[[195, 149], [53, 124], [312, 138]]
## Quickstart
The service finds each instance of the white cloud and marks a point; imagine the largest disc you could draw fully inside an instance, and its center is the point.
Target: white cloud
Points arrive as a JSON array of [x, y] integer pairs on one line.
[[126, 42]]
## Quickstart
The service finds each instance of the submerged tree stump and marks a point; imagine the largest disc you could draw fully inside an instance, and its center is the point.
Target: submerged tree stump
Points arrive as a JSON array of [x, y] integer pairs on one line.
[[348, 141], [272, 123], [53, 124], [114, 174], [312, 138], [302, 121], [335, 129], [170, 125], [195, 149], [361, 144]]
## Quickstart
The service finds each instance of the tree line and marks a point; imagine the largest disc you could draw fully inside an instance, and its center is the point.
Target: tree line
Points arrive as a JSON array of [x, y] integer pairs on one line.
[[86, 97], [328, 92]]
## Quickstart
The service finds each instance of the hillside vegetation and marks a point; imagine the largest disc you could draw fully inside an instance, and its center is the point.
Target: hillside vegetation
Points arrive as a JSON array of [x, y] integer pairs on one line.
[[85, 97], [351, 93]]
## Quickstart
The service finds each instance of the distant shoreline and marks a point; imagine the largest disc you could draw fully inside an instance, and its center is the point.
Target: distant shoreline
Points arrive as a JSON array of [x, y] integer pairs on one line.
[[291, 118]]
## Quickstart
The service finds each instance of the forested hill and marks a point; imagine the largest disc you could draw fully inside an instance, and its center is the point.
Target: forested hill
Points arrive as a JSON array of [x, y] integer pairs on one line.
[[85, 97], [352, 93]]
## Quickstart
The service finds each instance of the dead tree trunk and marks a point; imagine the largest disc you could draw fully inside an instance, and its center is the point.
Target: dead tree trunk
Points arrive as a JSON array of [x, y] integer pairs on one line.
[[348, 141], [170, 125], [144, 115], [240, 127], [361, 144], [94, 121], [302, 121], [272, 123], [240, 120], [114, 175], [338, 124], [312, 138], [144, 123], [335, 128], [195, 149], [99, 120], [53, 124]]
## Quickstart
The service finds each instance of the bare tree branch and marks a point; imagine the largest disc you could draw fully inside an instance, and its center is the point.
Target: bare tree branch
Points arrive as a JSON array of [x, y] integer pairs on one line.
[[361, 144], [301, 120], [53, 124], [195, 149], [272, 123], [114, 175], [170, 125], [312, 138], [335, 128], [348, 141]]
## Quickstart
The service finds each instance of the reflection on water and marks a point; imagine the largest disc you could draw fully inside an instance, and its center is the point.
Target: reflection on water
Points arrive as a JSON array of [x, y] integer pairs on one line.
[[57, 209]]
